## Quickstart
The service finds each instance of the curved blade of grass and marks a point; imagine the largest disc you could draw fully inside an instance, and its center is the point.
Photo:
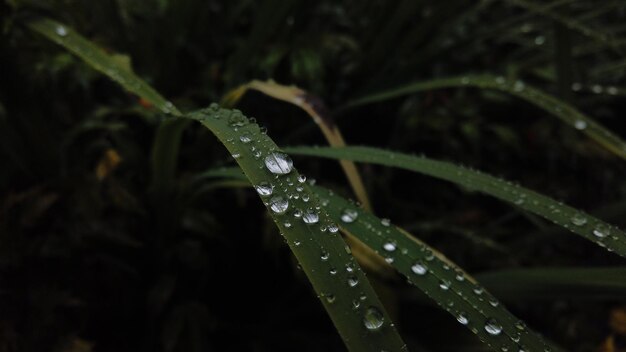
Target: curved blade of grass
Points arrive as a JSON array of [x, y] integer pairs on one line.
[[444, 282], [563, 111], [101, 61], [167, 140], [332, 271], [315, 108], [542, 283], [587, 226]]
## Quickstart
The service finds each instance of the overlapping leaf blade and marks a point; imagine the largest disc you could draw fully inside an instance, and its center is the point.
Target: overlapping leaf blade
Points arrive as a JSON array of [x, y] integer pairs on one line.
[[576, 221], [563, 111]]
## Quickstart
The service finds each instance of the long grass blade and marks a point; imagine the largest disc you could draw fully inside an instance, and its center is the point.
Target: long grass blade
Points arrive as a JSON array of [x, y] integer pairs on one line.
[[563, 111], [585, 225], [444, 282], [101, 61], [559, 283], [309, 232], [164, 157]]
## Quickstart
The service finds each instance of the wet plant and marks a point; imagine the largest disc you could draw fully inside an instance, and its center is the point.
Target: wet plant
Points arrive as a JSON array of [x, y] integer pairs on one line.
[[161, 212]]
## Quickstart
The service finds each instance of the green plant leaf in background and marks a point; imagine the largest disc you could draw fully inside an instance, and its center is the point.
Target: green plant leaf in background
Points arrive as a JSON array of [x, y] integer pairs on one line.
[[563, 111], [576, 221]]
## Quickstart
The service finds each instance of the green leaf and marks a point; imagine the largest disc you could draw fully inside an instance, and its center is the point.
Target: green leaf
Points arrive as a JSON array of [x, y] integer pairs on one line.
[[561, 283], [563, 111], [322, 254], [110, 65], [444, 282], [461, 295], [576, 221]]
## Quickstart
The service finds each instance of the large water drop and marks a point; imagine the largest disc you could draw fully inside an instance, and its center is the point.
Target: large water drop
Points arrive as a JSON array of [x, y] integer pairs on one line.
[[278, 163], [279, 205], [373, 319]]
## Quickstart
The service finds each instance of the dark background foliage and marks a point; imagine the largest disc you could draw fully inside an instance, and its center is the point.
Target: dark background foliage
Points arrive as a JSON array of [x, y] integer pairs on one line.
[[91, 260]]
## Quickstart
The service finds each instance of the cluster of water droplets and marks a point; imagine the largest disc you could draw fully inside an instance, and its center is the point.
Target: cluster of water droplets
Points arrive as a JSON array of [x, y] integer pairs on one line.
[[287, 198]]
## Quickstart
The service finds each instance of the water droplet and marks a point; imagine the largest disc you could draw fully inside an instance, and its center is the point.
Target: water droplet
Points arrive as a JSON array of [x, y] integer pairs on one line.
[[301, 178], [576, 86], [349, 215], [419, 268], [297, 213], [245, 138], [580, 124], [373, 319], [601, 231], [333, 228], [612, 90], [389, 246], [333, 271], [278, 163], [492, 327], [539, 40], [518, 86], [356, 304], [444, 285], [353, 281], [279, 205], [310, 217], [596, 88], [330, 298], [236, 156], [324, 256], [500, 80], [578, 220], [349, 267], [236, 119], [385, 222], [264, 189], [462, 318], [287, 224], [478, 291], [60, 31]]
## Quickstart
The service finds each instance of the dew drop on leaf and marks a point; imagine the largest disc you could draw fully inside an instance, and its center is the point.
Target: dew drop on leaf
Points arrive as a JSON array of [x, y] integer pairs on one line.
[[278, 163], [333, 228], [349, 215], [60, 31], [462, 318], [601, 231], [389, 246], [419, 268], [373, 319], [279, 205], [353, 281], [492, 327], [310, 217], [580, 124], [264, 189], [245, 138], [578, 220]]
